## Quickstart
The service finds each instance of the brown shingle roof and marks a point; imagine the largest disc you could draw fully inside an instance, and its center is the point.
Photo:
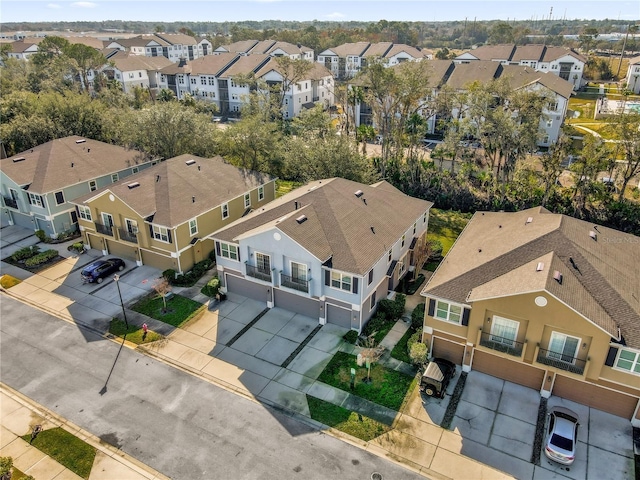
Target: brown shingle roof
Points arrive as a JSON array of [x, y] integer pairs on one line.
[[520, 76], [211, 64], [63, 162], [493, 52], [600, 277], [464, 74], [166, 190], [126, 63], [355, 232], [400, 47], [345, 49], [377, 49]]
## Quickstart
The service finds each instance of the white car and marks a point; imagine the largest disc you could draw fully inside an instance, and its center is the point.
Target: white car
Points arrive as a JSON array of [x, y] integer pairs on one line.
[[562, 435]]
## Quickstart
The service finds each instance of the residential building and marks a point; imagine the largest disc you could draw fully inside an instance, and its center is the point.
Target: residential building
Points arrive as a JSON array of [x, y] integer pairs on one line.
[[543, 300], [346, 60], [563, 62], [633, 75], [174, 46], [268, 47], [329, 250], [135, 70], [163, 216], [38, 184], [24, 48]]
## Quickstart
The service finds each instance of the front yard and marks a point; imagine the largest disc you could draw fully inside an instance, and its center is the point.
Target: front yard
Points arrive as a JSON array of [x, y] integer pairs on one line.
[[178, 309]]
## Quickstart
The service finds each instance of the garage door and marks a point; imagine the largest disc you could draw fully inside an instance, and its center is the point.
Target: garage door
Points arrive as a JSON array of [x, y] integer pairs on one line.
[[247, 288], [442, 348], [156, 261], [297, 303], [95, 242], [122, 250], [617, 403], [22, 220], [338, 316], [506, 369]]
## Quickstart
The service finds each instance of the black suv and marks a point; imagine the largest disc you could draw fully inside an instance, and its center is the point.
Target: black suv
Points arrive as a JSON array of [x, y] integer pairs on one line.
[[100, 269], [436, 377]]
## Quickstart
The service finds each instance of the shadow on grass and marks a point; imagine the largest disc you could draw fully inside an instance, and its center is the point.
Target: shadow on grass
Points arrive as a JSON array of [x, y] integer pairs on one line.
[[178, 311], [134, 333]]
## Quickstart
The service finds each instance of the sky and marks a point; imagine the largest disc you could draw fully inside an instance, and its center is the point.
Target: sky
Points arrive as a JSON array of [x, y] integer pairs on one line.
[[308, 10]]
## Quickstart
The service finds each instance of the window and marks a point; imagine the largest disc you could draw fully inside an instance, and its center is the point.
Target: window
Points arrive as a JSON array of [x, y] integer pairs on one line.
[[36, 200], [298, 271], [132, 226], [563, 347], [403, 239], [373, 301], [59, 198], [212, 80], [225, 210], [389, 256], [229, 251], [260, 193], [414, 228], [247, 200], [448, 312], [424, 218], [160, 233], [263, 263], [193, 81], [93, 185], [85, 213], [370, 276], [341, 281], [134, 170], [193, 226], [628, 360], [504, 331], [552, 106], [114, 178], [203, 80]]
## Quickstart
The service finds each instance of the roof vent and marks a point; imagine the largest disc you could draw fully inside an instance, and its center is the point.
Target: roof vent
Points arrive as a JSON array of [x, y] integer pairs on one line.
[[71, 164], [18, 159], [193, 199], [557, 276], [198, 167], [133, 185], [540, 266], [359, 193], [373, 230], [157, 178], [88, 150], [593, 235], [301, 219], [82, 140], [529, 220], [190, 162]]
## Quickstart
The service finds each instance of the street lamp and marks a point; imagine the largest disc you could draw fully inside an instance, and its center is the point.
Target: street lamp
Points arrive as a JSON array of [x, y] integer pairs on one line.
[[116, 279]]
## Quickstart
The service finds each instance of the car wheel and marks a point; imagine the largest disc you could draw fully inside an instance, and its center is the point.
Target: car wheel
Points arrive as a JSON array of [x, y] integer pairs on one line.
[[430, 390], [120, 268], [99, 280]]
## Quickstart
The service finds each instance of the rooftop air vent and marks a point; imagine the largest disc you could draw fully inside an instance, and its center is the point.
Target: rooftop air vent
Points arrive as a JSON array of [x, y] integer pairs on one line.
[[133, 185], [373, 230], [301, 219], [18, 159], [82, 140], [157, 178], [359, 193], [193, 199], [529, 220], [190, 162], [540, 266], [557, 276], [593, 235]]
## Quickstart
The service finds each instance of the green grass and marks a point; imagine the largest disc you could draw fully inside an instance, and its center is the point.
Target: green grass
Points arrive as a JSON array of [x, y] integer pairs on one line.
[[19, 474], [387, 388], [346, 421], [134, 333], [378, 326], [400, 351], [285, 186], [445, 226], [179, 309], [66, 449]]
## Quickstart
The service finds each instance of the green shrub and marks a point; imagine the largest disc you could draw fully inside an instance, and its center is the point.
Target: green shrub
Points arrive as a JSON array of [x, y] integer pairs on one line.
[[41, 258], [350, 337], [42, 236], [169, 274], [76, 247], [7, 281], [24, 253], [211, 288], [391, 309], [418, 353], [417, 317], [435, 249], [413, 339], [191, 277]]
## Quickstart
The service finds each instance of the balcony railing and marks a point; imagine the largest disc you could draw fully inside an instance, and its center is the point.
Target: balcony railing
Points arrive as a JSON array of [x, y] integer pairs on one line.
[[127, 236], [10, 202], [501, 344], [294, 283], [563, 362], [104, 229], [260, 274]]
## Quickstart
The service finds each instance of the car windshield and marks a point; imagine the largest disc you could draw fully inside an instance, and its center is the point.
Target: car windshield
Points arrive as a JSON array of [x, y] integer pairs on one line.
[[561, 442]]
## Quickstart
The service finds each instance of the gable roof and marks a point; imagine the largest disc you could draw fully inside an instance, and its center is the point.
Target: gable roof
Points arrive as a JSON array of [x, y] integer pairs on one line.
[[345, 49], [517, 53], [408, 49], [212, 64], [174, 191], [520, 76], [353, 231], [127, 62], [482, 71], [67, 161], [497, 255]]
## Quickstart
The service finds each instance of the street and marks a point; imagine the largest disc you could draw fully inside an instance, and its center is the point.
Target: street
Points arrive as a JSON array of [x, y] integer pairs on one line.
[[178, 424]]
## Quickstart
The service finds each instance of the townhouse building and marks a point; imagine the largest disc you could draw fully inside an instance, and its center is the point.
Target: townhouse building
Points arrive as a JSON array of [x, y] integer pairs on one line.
[[632, 78], [330, 250], [268, 47], [174, 46], [135, 70]]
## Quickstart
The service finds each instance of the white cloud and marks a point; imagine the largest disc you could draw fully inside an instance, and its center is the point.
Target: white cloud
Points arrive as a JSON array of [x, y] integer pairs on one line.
[[53, 5], [84, 4], [335, 15]]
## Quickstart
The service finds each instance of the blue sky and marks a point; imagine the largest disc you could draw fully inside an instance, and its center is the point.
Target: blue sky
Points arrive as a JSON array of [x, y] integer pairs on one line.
[[306, 10]]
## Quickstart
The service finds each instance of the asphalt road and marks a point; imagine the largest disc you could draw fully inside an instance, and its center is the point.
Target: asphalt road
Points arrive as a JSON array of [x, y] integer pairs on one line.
[[176, 423]]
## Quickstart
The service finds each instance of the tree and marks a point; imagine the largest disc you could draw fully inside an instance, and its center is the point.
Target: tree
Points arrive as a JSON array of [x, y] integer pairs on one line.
[[84, 59], [371, 353], [418, 353], [162, 288], [594, 158], [551, 162], [627, 125], [501, 33], [292, 71], [587, 39]]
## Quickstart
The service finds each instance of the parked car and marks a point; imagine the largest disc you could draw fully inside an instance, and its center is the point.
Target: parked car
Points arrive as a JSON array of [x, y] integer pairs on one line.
[[436, 377], [100, 269], [562, 435]]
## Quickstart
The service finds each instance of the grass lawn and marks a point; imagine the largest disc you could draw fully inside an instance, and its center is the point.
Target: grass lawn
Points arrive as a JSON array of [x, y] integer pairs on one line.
[[400, 351], [380, 328], [65, 449], [346, 421], [387, 388], [445, 226], [134, 333], [179, 309], [285, 186], [18, 474]]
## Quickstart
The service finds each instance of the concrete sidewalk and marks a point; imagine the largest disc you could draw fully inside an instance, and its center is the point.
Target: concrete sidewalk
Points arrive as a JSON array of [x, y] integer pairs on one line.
[[18, 416]]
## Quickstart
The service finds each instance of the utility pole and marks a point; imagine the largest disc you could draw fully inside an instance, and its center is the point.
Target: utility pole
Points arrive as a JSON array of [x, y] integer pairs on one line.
[[624, 44]]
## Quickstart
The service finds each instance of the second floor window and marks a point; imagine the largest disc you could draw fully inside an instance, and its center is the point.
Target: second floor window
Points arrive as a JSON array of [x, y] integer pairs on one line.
[[59, 198], [504, 330], [114, 178], [629, 360], [160, 233], [225, 210], [448, 312], [229, 251], [36, 200], [93, 186], [247, 200], [193, 226], [263, 263], [341, 281], [84, 212], [260, 193], [563, 347]]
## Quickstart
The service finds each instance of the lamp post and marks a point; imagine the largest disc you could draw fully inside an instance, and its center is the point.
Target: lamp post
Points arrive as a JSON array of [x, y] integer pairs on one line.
[[116, 278]]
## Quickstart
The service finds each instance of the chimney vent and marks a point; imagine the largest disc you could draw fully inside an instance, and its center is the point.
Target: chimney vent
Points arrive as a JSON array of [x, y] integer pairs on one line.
[[301, 219], [157, 178], [198, 167], [540, 267], [193, 199], [373, 230], [71, 164], [295, 205], [593, 235], [529, 220], [88, 150], [557, 276]]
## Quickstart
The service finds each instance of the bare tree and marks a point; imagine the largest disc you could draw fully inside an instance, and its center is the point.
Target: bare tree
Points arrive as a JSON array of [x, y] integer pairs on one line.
[[162, 288], [371, 353]]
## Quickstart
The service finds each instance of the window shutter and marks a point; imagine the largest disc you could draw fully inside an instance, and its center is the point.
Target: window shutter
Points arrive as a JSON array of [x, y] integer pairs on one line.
[[169, 235], [465, 316], [370, 276], [238, 250], [218, 248], [611, 356], [327, 278], [432, 307], [355, 284], [151, 231]]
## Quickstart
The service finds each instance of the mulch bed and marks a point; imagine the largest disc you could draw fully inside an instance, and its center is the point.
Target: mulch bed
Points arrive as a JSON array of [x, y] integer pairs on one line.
[[37, 268]]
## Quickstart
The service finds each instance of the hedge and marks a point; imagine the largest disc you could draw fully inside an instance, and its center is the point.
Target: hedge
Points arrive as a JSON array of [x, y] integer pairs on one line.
[[41, 258], [25, 252]]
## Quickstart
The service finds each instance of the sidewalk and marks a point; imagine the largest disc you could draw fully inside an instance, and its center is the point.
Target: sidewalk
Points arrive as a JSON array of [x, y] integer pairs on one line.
[[18, 416]]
